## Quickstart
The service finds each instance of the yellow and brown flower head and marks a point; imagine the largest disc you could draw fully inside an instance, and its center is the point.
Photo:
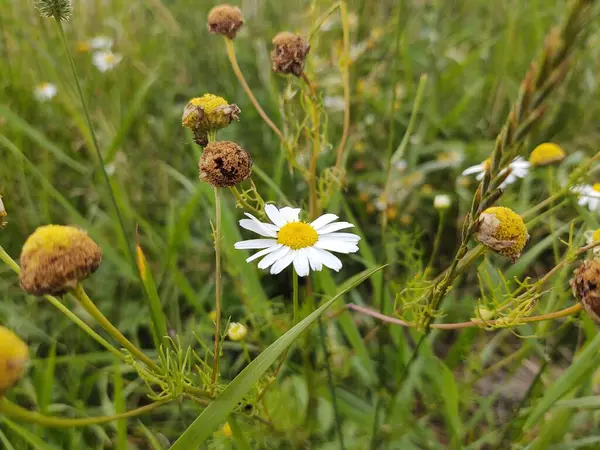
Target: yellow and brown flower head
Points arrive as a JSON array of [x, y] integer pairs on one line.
[[503, 231], [208, 113], [546, 154], [586, 287], [224, 163], [14, 356], [226, 20], [290, 53], [55, 258]]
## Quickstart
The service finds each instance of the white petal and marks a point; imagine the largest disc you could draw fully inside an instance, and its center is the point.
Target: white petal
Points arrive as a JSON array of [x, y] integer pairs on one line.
[[323, 220], [479, 176], [301, 263], [314, 259], [473, 169], [290, 214], [347, 237], [264, 252], [334, 227], [253, 244], [270, 259], [274, 215], [329, 260], [283, 262], [336, 245], [253, 224]]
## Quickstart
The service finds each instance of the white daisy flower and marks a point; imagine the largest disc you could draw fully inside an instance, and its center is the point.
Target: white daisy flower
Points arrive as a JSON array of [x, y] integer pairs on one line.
[[106, 60], [101, 43], [291, 241], [45, 91], [589, 195], [519, 169]]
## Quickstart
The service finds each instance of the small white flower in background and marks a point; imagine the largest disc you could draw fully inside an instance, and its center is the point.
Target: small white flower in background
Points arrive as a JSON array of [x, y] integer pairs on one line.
[[589, 195], [442, 201], [101, 43], [237, 331], [334, 104], [45, 91], [290, 241], [519, 169], [106, 60], [400, 165]]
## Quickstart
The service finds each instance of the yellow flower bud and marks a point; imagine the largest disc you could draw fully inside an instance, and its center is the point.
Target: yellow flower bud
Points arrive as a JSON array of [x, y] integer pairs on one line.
[[503, 231], [55, 258], [545, 154], [14, 356], [237, 331]]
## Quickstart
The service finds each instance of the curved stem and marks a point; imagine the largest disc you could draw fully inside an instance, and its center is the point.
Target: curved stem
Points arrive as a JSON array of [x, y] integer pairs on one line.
[[81, 296], [218, 287], [246, 87], [312, 172], [12, 410], [241, 201]]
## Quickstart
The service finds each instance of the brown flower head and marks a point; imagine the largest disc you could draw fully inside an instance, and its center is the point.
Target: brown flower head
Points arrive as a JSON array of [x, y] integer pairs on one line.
[[55, 258], [503, 231], [224, 163], [226, 20], [586, 287], [14, 356], [289, 53]]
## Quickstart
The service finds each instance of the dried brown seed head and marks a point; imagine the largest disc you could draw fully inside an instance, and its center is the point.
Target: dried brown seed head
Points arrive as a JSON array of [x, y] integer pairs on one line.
[[226, 20], [289, 53], [224, 163], [586, 287], [55, 258]]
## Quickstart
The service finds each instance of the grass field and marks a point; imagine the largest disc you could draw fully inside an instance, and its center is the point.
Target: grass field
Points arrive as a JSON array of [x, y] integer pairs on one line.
[[396, 99]]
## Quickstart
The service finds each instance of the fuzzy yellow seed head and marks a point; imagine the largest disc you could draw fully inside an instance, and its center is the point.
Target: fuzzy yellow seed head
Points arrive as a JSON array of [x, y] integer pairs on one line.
[[545, 154], [297, 235], [14, 356], [503, 231], [55, 258], [212, 315], [596, 235], [237, 331], [209, 113]]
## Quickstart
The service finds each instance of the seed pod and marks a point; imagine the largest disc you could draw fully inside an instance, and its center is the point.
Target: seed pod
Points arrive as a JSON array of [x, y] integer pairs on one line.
[[55, 258], [503, 231], [14, 356], [290, 53], [226, 20], [224, 163], [586, 287]]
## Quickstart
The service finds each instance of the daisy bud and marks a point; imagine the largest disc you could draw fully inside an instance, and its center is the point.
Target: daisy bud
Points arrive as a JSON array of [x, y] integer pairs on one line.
[[503, 231], [442, 202], [226, 20], [55, 258], [586, 287], [224, 163], [14, 356], [546, 154], [237, 331], [289, 53], [208, 113], [59, 9], [3, 214]]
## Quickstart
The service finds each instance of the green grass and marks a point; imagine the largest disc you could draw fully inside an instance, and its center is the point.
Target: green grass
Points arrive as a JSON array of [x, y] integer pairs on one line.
[[532, 386]]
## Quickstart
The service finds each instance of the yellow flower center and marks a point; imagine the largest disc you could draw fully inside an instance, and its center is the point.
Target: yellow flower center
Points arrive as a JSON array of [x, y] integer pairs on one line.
[[596, 187], [296, 235], [51, 237], [596, 235], [109, 58], [486, 164]]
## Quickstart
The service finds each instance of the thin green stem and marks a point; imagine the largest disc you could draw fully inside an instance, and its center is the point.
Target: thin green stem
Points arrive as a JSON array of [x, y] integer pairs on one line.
[[84, 300], [295, 296], [436, 242], [12, 410], [218, 286], [95, 142], [312, 172], [243, 203]]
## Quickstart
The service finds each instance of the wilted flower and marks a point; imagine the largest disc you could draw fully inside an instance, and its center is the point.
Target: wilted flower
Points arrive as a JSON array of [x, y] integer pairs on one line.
[[45, 91], [586, 287], [106, 60], [55, 258], [14, 356], [226, 20], [289, 53], [442, 201], [589, 195], [209, 113], [224, 163], [503, 231], [545, 154], [237, 331], [290, 240], [519, 169]]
